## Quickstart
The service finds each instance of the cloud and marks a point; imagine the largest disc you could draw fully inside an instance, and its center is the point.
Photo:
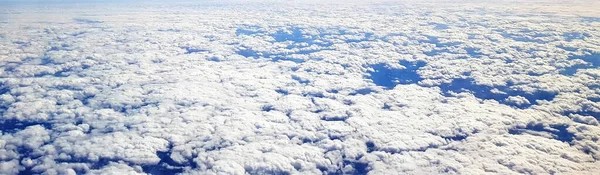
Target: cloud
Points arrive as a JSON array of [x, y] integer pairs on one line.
[[274, 88]]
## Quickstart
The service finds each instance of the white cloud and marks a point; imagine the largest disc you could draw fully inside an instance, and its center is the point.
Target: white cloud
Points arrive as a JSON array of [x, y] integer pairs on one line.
[[176, 88]]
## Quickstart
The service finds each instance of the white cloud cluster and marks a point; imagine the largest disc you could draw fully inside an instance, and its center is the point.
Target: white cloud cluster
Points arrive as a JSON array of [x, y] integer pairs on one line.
[[299, 88]]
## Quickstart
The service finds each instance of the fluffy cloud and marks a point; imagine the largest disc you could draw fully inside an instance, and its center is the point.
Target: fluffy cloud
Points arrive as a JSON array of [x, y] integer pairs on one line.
[[298, 87]]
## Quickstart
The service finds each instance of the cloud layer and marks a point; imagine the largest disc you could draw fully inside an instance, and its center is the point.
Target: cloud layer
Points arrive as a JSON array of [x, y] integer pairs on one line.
[[299, 88]]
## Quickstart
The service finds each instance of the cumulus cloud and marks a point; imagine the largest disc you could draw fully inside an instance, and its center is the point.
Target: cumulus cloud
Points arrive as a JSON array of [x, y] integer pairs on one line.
[[299, 88]]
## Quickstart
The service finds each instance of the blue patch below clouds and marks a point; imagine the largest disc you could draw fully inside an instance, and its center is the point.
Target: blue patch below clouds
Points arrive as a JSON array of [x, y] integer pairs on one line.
[[358, 168], [13, 125], [435, 40], [440, 47], [300, 79], [590, 19], [282, 91], [593, 61], [22, 43], [295, 60], [370, 146], [575, 36], [435, 52], [486, 92], [25, 152], [363, 91], [87, 21], [167, 165], [240, 32], [169, 30], [4, 89], [474, 52], [190, 50], [525, 35], [296, 35], [273, 57], [363, 37], [439, 26], [586, 110], [248, 53], [297, 38], [455, 138], [384, 75], [522, 38], [558, 131]]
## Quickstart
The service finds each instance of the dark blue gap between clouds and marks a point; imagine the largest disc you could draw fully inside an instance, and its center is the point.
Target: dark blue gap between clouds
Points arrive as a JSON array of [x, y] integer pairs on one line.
[[590, 19], [442, 47], [524, 35], [388, 77], [167, 165], [294, 35], [297, 37], [571, 36], [87, 21], [274, 57], [592, 60], [534, 36], [558, 131], [585, 111], [190, 50], [486, 92], [10, 126]]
